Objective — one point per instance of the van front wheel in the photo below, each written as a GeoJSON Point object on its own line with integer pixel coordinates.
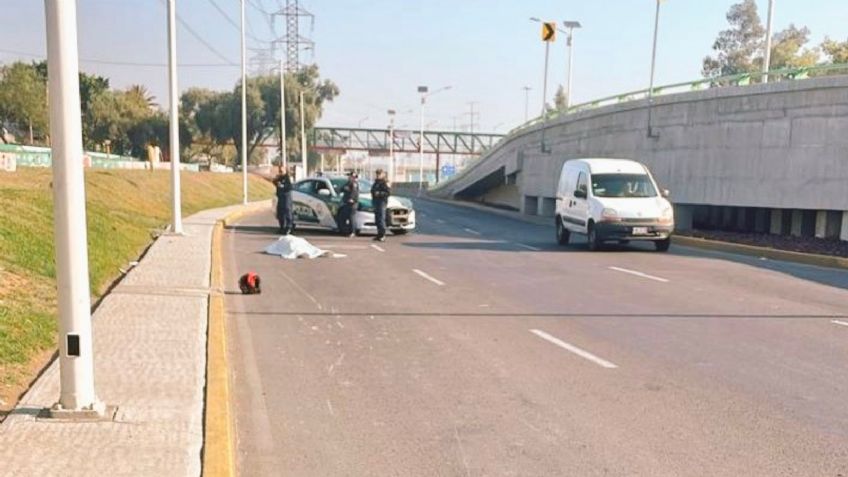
{"type": "Point", "coordinates": [594, 241]}
{"type": "Point", "coordinates": [562, 234]}
{"type": "Point", "coordinates": [662, 245]}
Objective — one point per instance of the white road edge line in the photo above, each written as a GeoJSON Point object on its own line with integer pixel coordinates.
{"type": "Point", "coordinates": [428, 277]}
{"type": "Point", "coordinates": [639, 274]}
{"type": "Point", "coordinates": [528, 247]}
{"type": "Point", "coordinates": [574, 349]}
{"type": "Point", "coordinates": [377, 247]}
{"type": "Point", "coordinates": [471, 231]}
{"type": "Point", "coordinates": [837, 322]}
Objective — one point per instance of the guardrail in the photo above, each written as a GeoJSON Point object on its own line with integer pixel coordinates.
{"type": "Point", "coordinates": [743, 79]}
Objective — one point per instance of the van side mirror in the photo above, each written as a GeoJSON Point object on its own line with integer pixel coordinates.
{"type": "Point", "coordinates": [324, 192]}
{"type": "Point", "coordinates": [580, 194]}
{"type": "Point", "coordinates": [665, 193]}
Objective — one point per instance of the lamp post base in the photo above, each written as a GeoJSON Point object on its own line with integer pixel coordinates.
{"type": "Point", "coordinates": [96, 413]}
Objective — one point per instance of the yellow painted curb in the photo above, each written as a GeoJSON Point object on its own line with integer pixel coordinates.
{"type": "Point", "coordinates": [772, 253]}
{"type": "Point", "coordinates": [219, 435]}
{"type": "Point", "coordinates": [218, 456]}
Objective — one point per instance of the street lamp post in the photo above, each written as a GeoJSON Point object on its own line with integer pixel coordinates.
{"type": "Point", "coordinates": [303, 151]}
{"type": "Point", "coordinates": [174, 121]}
{"type": "Point", "coordinates": [424, 91]}
{"type": "Point", "coordinates": [526, 102]}
{"type": "Point", "coordinates": [283, 152]}
{"type": "Point", "coordinates": [653, 64]}
{"type": "Point", "coordinates": [359, 124]}
{"type": "Point", "coordinates": [570, 26]}
{"type": "Point", "coordinates": [243, 108]}
{"type": "Point", "coordinates": [391, 113]}
{"type": "Point", "coordinates": [767, 59]}
{"type": "Point", "coordinates": [76, 361]}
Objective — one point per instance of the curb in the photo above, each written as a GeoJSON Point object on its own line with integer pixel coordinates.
{"type": "Point", "coordinates": [828, 261]}
{"type": "Point", "coordinates": [218, 449]}
{"type": "Point", "coordinates": [771, 253]}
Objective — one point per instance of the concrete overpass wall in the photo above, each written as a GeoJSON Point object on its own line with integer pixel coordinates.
{"type": "Point", "coordinates": [775, 146]}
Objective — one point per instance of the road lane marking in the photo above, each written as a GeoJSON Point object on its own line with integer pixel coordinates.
{"type": "Point", "coordinates": [837, 322]}
{"type": "Point", "coordinates": [428, 277]}
{"type": "Point", "coordinates": [528, 247]}
{"type": "Point", "coordinates": [639, 274]}
{"type": "Point", "coordinates": [574, 349]}
{"type": "Point", "coordinates": [377, 247]}
{"type": "Point", "coordinates": [440, 221]}
{"type": "Point", "coordinates": [471, 231]}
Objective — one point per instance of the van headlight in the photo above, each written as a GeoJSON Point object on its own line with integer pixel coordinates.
{"type": "Point", "coordinates": [610, 215]}
{"type": "Point", "coordinates": [667, 216]}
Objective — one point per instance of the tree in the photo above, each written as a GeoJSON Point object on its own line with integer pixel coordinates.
{"type": "Point", "coordinates": [23, 99]}
{"type": "Point", "coordinates": [835, 51]}
{"type": "Point", "coordinates": [218, 115]}
{"type": "Point", "coordinates": [114, 114]}
{"type": "Point", "coordinates": [560, 99]}
{"type": "Point", "coordinates": [140, 94]}
{"type": "Point", "coordinates": [737, 47]}
{"type": "Point", "coordinates": [788, 50]}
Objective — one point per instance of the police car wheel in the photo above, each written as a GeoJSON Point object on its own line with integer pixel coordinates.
{"type": "Point", "coordinates": [399, 231]}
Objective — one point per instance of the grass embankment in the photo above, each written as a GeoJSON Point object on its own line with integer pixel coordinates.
{"type": "Point", "coordinates": [123, 208]}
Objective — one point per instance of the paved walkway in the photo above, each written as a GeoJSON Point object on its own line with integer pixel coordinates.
{"type": "Point", "coordinates": [150, 362]}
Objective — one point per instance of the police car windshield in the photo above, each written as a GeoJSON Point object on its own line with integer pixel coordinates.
{"type": "Point", "coordinates": [622, 185]}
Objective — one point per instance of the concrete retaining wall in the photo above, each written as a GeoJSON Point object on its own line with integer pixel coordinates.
{"type": "Point", "coordinates": [777, 146]}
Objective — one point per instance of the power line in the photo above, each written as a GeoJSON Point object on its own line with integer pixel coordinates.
{"type": "Point", "coordinates": [197, 37]}
{"type": "Point", "coordinates": [234, 24]}
{"type": "Point", "coordinates": [123, 63]}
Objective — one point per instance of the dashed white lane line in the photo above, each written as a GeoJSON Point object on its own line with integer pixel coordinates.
{"type": "Point", "coordinates": [440, 221]}
{"type": "Point", "coordinates": [639, 274]}
{"type": "Point", "coordinates": [837, 322]}
{"type": "Point", "coordinates": [377, 247]}
{"type": "Point", "coordinates": [428, 277]}
{"type": "Point", "coordinates": [471, 231]}
{"type": "Point", "coordinates": [528, 247]}
{"type": "Point", "coordinates": [574, 349]}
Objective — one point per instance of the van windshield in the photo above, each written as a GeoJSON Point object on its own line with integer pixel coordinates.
{"type": "Point", "coordinates": [622, 185]}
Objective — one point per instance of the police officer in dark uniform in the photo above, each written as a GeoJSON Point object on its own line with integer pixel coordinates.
{"type": "Point", "coordinates": [285, 212]}
{"type": "Point", "coordinates": [380, 192]}
{"type": "Point", "coordinates": [350, 202]}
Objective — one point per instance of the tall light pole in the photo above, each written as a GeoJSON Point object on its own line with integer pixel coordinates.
{"type": "Point", "coordinates": [243, 108]}
{"type": "Point", "coordinates": [767, 59]}
{"type": "Point", "coordinates": [391, 113]}
{"type": "Point", "coordinates": [76, 363]}
{"type": "Point", "coordinates": [423, 90]}
{"type": "Point", "coordinates": [303, 151]}
{"type": "Point", "coordinates": [569, 26]}
{"type": "Point", "coordinates": [653, 65]}
{"type": "Point", "coordinates": [526, 102]}
{"type": "Point", "coordinates": [359, 123]}
{"type": "Point", "coordinates": [547, 42]}
{"type": "Point", "coordinates": [174, 126]}
{"type": "Point", "coordinates": [284, 161]}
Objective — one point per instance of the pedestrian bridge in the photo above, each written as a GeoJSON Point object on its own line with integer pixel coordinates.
{"type": "Point", "coordinates": [763, 157]}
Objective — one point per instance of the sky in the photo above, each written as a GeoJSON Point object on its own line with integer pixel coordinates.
{"type": "Point", "coordinates": [379, 51]}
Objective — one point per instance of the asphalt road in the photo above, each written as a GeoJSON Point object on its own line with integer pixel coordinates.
{"type": "Point", "coordinates": [478, 347]}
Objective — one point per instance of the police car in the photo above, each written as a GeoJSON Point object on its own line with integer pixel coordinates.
{"type": "Point", "coordinates": [316, 202]}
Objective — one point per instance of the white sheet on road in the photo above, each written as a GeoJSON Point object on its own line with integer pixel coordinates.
{"type": "Point", "coordinates": [292, 247]}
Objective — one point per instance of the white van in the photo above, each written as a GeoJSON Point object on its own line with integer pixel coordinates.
{"type": "Point", "coordinates": [612, 200]}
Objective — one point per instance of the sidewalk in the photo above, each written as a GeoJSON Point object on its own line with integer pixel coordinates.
{"type": "Point", "coordinates": [150, 362]}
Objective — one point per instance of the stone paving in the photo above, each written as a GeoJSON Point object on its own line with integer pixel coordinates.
{"type": "Point", "coordinates": [150, 362]}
